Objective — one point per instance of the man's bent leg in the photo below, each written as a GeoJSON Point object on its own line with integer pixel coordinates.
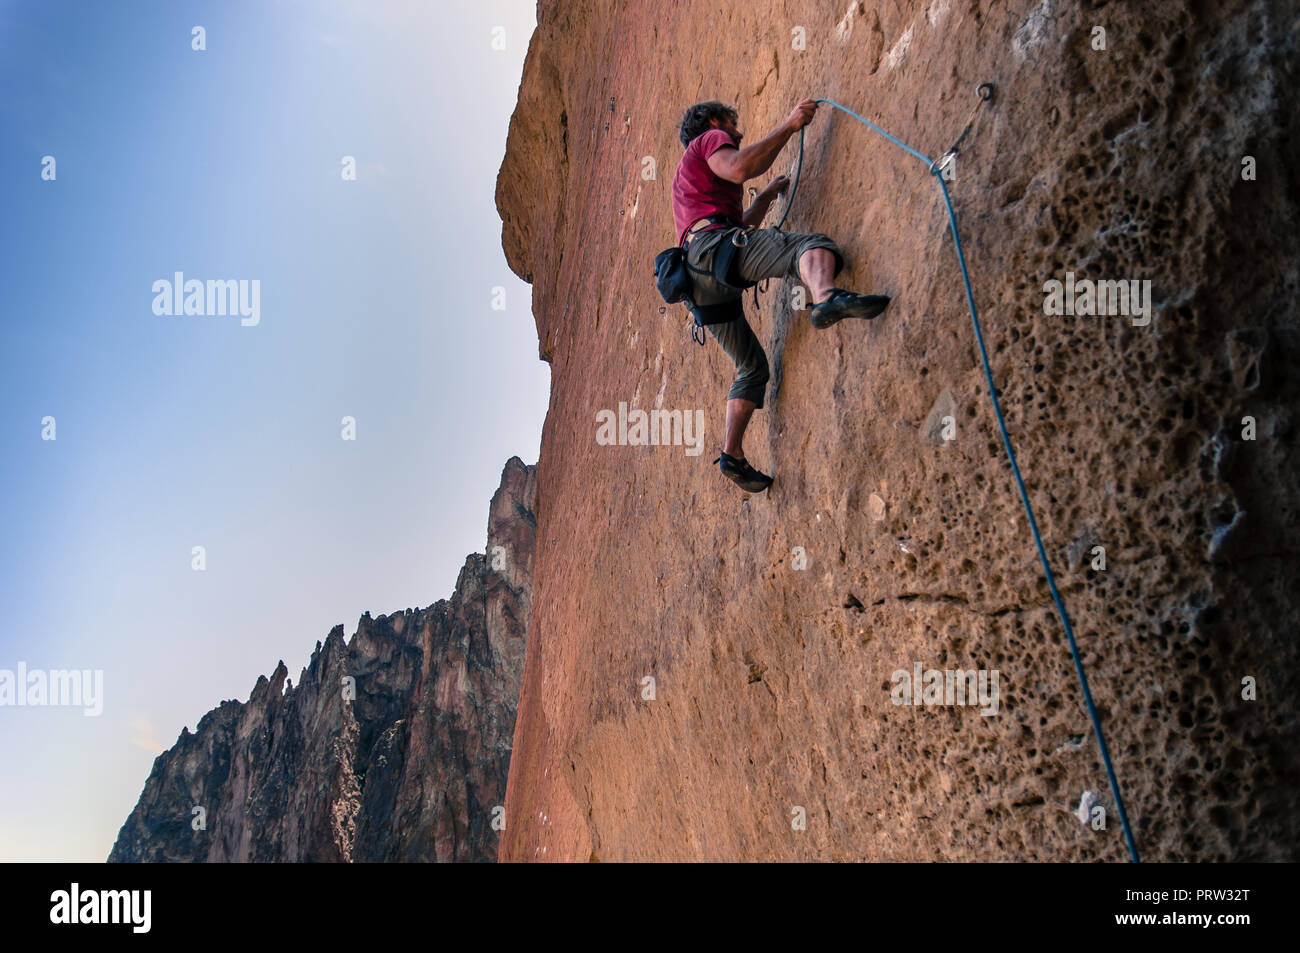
{"type": "Point", "coordinates": [816, 260]}
{"type": "Point", "coordinates": [772, 253]}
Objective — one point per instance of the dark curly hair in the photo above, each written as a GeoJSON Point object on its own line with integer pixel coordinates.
{"type": "Point", "coordinates": [696, 121]}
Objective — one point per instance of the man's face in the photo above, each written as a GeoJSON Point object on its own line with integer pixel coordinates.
{"type": "Point", "coordinates": [728, 126]}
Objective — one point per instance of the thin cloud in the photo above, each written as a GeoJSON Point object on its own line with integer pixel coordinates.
{"type": "Point", "coordinates": [143, 736]}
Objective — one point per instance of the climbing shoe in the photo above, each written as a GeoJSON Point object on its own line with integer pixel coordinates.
{"type": "Point", "coordinates": [743, 475]}
{"type": "Point", "coordinates": [846, 304]}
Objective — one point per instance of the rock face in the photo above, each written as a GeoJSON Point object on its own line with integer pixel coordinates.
{"type": "Point", "coordinates": [773, 627]}
{"type": "Point", "coordinates": [409, 769]}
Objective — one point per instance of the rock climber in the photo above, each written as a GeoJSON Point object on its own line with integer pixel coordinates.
{"type": "Point", "coordinates": [707, 190]}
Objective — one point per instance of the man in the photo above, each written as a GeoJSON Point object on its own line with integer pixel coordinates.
{"type": "Point", "coordinates": [707, 191]}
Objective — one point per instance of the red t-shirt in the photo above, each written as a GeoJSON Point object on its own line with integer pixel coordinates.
{"type": "Point", "coordinates": [697, 191]}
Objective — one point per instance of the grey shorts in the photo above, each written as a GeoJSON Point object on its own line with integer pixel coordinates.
{"type": "Point", "coordinates": [769, 254]}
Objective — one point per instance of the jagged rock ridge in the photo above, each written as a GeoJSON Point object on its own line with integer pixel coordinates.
{"type": "Point", "coordinates": [410, 769]}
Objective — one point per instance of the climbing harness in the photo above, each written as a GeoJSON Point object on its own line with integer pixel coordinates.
{"type": "Point", "coordinates": [935, 166]}
{"type": "Point", "coordinates": [672, 277]}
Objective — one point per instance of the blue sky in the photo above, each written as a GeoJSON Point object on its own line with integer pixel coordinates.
{"type": "Point", "coordinates": [195, 430]}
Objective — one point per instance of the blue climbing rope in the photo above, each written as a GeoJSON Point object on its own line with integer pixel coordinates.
{"type": "Point", "coordinates": [794, 188]}
{"type": "Point", "coordinates": [936, 170]}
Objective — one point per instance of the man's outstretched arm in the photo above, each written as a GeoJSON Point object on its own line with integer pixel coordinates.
{"type": "Point", "coordinates": [737, 165]}
{"type": "Point", "coordinates": [753, 216]}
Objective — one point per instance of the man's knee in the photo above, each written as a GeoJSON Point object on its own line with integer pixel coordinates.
{"type": "Point", "coordinates": [820, 242]}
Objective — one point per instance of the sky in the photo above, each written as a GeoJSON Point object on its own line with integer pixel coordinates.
{"type": "Point", "coordinates": [374, 299]}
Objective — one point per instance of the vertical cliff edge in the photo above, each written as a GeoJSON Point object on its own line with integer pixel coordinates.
{"type": "Point", "coordinates": [712, 676]}
{"type": "Point", "coordinates": [393, 746]}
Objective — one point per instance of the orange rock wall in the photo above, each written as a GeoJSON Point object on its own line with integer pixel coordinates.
{"type": "Point", "coordinates": [772, 684]}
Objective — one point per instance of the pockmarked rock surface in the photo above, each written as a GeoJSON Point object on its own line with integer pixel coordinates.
{"type": "Point", "coordinates": [392, 746]}
{"type": "Point", "coordinates": [714, 676]}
